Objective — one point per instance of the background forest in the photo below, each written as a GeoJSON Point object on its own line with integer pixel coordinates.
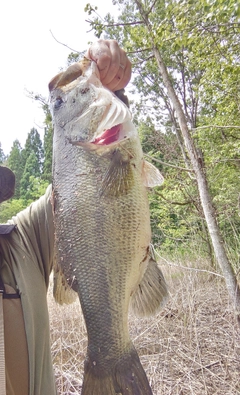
{"type": "Point", "coordinates": [200, 46]}
{"type": "Point", "coordinates": [185, 100]}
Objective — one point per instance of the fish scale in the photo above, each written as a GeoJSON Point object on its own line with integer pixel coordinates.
{"type": "Point", "coordinates": [102, 227]}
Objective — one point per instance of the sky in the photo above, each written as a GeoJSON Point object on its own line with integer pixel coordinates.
{"type": "Point", "coordinates": [30, 56]}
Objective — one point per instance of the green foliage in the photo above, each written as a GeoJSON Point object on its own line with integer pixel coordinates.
{"type": "Point", "coordinates": [74, 57]}
{"type": "Point", "coordinates": [10, 208]}
{"type": "Point", "coordinates": [199, 44]}
{"type": "Point", "coordinates": [97, 25]}
{"type": "Point", "coordinates": [32, 167]}
{"type": "Point", "coordinates": [33, 145]}
{"type": "Point", "coordinates": [47, 146]}
{"type": "Point", "coordinates": [14, 162]}
{"type": "Point", "coordinates": [31, 157]}
{"type": "Point", "coordinates": [37, 187]}
{"type": "Point", "coordinates": [31, 171]}
{"type": "Point", "coordinates": [2, 155]}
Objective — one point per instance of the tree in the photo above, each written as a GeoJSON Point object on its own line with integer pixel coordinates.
{"type": "Point", "coordinates": [10, 208]}
{"type": "Point", "coordinates": [33, 145]}
{"type": "Point", "coordinates": [14, 162]}
{"type": "Point", "coordinates": [31, 172]}
{"type": "Point", "coordinates": [2, 155]}
{"type": "Point", "coordinates": [32, 158]}
{"type": "Point", "coordinates": [47, 145]}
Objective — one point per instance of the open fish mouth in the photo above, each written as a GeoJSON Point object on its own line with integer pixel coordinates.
{"type": "Point", "coordinates": [95, 117]}
{"type": "Point", "coordinates": [114, 126]}
{"type": "Point", "coordinates": [110, 136]}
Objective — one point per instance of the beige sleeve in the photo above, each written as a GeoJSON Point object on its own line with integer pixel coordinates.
{"type": "Point", "coordinates": [15, 342]}
{"type": "Point", "coordinates": [35, 225]}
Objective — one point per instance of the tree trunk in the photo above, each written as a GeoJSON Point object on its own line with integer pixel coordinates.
{"type": "Point", "coordinates": [205, 197]}
{"type": "Point", "coordinates": [206, 201]}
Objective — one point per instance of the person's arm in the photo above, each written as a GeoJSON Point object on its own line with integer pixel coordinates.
{"type": "Point", "coordinates": [35, 225]}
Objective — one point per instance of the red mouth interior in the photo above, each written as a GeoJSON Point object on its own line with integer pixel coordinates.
{"type": "Point", "coordinates": [109, 136]}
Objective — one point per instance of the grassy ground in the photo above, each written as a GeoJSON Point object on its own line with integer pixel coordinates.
{"type": "Point", "coordinates": [191, 347]}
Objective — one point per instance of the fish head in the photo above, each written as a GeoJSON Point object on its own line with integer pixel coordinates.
{"type": "Point", "coordinates": [87, 113]}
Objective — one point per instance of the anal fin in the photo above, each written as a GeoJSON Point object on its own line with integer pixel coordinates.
{"type": "Point", "coordinates": [151, 293]}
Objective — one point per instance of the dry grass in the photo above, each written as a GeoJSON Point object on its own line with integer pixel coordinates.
{"type": "Point", "coordinates": [191, 347]}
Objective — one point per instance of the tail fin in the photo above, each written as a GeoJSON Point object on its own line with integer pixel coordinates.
{"type": "Point", "coordinates": [126, 377]}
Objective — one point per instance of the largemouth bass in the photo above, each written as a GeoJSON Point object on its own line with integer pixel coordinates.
{"type": "Point", "coordinates": [102, 226]}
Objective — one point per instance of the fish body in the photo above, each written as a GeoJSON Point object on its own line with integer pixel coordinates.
{"type": "Point", "coordinates": [102, 225]}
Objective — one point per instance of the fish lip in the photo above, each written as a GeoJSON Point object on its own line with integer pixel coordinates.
{"type": "Point", "coordinates": [101, 148]}
{"type": "Point", "coordinates": [107, 140]}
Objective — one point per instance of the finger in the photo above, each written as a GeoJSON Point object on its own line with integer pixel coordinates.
{"type": "Point", "coordinates": [108, 56]}
{"type": "Point", "coordinates": [100, 53]}
{"type": "Point", "coordinates": [127, 74]}
{"type": "Point", "coordinates": [122, 82]}
{"type": "Point", "coordinates": [122, 78]}
{"type": "Point", "coordinates": [114, 70]}
{"type": "Point", "coordinates": [119, 72]}
{"type": "Point", "coordinates": [113, 63]}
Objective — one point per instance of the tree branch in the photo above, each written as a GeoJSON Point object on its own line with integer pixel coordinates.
{"type": "Point", "coordinates": [216, 126]}
{"type": "Point", "coordinates": [141, 50]}
{"type": "Point", "coordinates": [119, 24]}
{"type": "Point", "coordinates": [172, 202]}
{"type": "Point", "coordinates": [168, 164]}
{"type": "Point", "coordinates": [151, 8]}
{"type": "Point", "coordinates": [65, 45]}
{"type": "Point", "coordinates": [189, 268]}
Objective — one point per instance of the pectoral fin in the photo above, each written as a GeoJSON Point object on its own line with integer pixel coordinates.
{"type": "Point", "coordinates": [151, 294]}
{"type": "Point", "coordinates": [62, 292]}
{"type": "Point", "coordinates": [118, 178]}
{"type": "Point", "coordinates": [151, 175]}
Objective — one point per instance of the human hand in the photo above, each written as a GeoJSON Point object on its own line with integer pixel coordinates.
{"type": "Point", "coordinates": [113, 64]}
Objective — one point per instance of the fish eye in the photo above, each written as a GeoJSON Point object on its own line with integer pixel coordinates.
{"type": "Point", "coordinates": [58, 103]}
